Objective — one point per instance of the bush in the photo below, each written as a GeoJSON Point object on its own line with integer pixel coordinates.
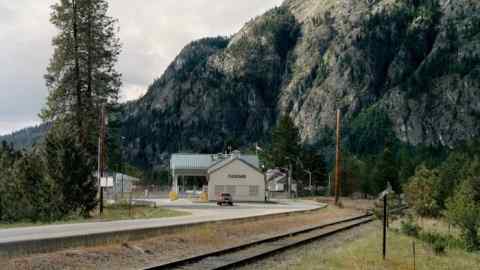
{"type": "Point", "coordinates": [464, 212]}
{"type": "Point", "coordinates": [438, 241]}
{"type": "Point", "coordinates": [421, 192]}
{"type": "Point", "coordinates": [410, 228]}
{"type": "Point", "coordinates": [439, 247]}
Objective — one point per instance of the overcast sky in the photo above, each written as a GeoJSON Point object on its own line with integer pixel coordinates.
{"type": "Point", "coordinates": [152, 33]}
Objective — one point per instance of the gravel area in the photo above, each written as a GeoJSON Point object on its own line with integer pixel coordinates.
{"type": "Point", "coordinates": [183, 243]}
{"type": "Point", "coordinates": [289, 259]}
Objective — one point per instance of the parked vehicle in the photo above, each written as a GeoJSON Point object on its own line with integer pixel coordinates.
{"type": "Point", "coordinates": [225, 199]}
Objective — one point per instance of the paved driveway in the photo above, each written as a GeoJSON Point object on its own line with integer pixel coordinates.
{"type": "Point", "coordinates": [200, 212]}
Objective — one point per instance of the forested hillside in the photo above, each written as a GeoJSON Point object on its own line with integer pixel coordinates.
{"type": "Point", "coordinates": [402, 69]}
{"type": "Point", "coordinates": [26, 138]}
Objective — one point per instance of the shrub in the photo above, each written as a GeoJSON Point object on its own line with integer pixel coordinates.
{"type": "Point", "coordinates": [439, 247]}
{"type": "Point", "coordinates": [421, 192]}
{"type": "Point", "coordinates": [464, 212]}
{"type": "Point", "coordinates": [410, 228]}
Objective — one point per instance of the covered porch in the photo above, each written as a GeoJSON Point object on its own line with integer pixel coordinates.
{"type": "Point", "coordinates": [190, 172]}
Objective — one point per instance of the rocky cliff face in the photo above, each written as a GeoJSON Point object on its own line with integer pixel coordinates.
{"type": "Point", "coordinates": [417, 61]}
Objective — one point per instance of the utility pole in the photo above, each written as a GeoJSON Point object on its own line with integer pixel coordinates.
{"type": "Point", "coordinates": [385, 218]}
{"type": "Point", "coordinates": [290, 180]}
{"type": "Point", "coordinates": [337, 163]}
{"type": "Point", "coordinates": [101, 155]}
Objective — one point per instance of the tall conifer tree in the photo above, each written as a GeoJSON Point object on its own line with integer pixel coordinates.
{"type": "Point", "coordinates": [81, 78]}
{"type": "Point", "coordinates": [81, 75]}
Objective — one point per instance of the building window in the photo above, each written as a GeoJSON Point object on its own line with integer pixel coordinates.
{"type": "Point", "coordinates": [253, 191]}
{"type": "Point", "coordinates": [231, 190]}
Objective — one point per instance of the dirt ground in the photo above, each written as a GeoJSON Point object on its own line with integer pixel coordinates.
{"type": "Point", "coordinates": [183, 243]}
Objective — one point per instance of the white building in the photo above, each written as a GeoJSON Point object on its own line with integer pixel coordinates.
{"type": "Point", "coordinates": [237, 174]}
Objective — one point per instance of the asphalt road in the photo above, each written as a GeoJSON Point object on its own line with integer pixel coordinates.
{"type": "Point", "coordinates": [199, 213]}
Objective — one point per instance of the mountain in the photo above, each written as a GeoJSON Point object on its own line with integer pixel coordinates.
{"type": "Point", "coordinates": [27, 137]}
{"type": "Point", "coordinates": [410, 67]}
{"type": "Point", "coordinates": [403, 68]}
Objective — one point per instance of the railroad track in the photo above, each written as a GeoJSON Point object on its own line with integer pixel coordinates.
{"type": "Point", "coordinates": [256, 250]}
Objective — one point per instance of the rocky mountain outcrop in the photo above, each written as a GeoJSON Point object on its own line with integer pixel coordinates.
{"type": "Point", "coordinates": [417, 61]}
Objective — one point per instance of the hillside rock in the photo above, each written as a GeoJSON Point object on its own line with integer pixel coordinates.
{"type": "Point", "coordinates": [417, 61]}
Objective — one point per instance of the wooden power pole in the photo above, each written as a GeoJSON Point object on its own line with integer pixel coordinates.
{"type": "Point", "coordinates": [101, 155]}
{"type": "Point", "coordinates": [337, 163]}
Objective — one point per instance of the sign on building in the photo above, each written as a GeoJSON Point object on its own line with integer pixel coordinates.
{"type": "Point", "coordinates": [106, 181]}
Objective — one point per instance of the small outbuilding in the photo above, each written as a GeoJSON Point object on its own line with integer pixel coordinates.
{"type": "Point", "coordinates": [237, 174]}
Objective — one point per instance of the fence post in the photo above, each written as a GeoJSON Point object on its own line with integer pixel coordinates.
{"type": "Point", "coordinates": [413, 249]}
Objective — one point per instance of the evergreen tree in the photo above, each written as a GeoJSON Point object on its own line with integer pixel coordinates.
{"type": "Point", "coordinates": [69, 166]}
{"type": "Point", "coordinates": [81, 78]}
{"type": "Point", "coordinates": [354, 176]}
{"type": "Point", "coordinates": [286, 146]}
{"type": "Point", "coordinates": [386, 171]}
{"type": "Point", "coordinates": [39, 193]}
{"type": "Point", "coordinates": [314, 162]}
{"type": "Point", "coordinates": [81, 75]}
{"type": "Point", "coordinates": [114, 141]}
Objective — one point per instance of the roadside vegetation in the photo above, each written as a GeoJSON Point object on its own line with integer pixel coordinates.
{"type": "Point", "coordinates": [366, 253]}
{"type": "Point", "coordinates": [55, 180]}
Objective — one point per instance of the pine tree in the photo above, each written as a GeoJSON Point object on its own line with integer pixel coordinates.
{"type": "Point", "coordinates": [81, 78]}
{"type": "Point", "coordinates": [286, 146]}
{"type": "Point", "coordinates": [314, 162]}
{"type": "Point", "coordinates": [115, 141]}
{"type": "Point", "coordinates": [70, 168]}
{"type": "Point", "coordinates": [386, 171]}
{"type": "Point", "coordinates": [38, 193]}
{"type": "Point", "coordinates": [81, 75]}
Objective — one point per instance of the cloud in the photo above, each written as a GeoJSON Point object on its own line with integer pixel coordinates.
{"type": "Point", "coordinates": [132, 91]}
{"type": "Point", "coordinates": [152, 33]}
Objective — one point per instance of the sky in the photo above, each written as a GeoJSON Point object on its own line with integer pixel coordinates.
{"type": "Point", "coordinates": [152, 33]}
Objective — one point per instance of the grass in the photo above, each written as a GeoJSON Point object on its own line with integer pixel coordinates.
{"type": "Point", "coordinates": [122, 212]}
{"type": "Point", "coordinates": [365, 254]}
{"type": "Point", "coordinates": [110, 213]}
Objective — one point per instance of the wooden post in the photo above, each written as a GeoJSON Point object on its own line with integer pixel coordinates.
{"type": "Point", "coordinates": [414, 263]}
{"type": "Point", "coordinates": [385, 226]}
{"type": "Point", "coordinates": [337, 163]}
{"type": "Point", "coordinates": [101, 155]}
{"type": "Point", "coordinates": [101, 200]}
{"type": "Point", "coordinates": [290, 168]}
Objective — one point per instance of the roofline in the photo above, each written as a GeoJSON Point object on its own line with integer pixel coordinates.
{"type": "Point", "coordinates": [232, 160]}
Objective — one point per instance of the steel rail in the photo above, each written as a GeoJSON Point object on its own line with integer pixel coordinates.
{"type": "Point", "coordinates": [196, 259]}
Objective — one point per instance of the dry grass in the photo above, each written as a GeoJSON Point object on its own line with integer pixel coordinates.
{"type": "Point", "coordinates": [365, 254]}
{"type": "Point", "coordinates": [111, 213]}
{"type": "Point", "coordinates": [358, 204]}
{"type": "Point", "coordinates": [180, 244]}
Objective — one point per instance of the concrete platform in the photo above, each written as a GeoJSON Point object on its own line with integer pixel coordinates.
{"type": "Point", "coordinates": [48, 238]}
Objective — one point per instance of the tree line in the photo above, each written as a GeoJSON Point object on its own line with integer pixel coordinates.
{"type": "Point", "coordinates": [57, 177]}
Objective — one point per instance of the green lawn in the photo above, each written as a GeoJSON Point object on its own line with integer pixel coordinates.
{"type": "Point", "coordinates": [365, 254]}
{"type": "Point", "coordinates": [111, 213]}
